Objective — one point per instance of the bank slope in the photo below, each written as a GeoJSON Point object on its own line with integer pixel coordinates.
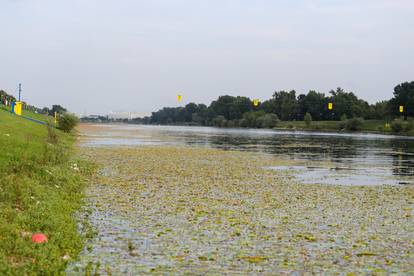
{"type": "Point", "coordinates": [40, 190]}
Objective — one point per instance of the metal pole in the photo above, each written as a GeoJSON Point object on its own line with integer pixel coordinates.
{"type": "Point", "coordinates": [20, 90]}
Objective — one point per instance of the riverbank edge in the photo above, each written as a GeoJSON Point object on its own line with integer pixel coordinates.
{"type": "Point", "coordinates": [42, 181]}
{"type": "Point", "coordinates": [290, 126]}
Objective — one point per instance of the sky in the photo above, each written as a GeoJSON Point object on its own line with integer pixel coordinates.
{"type": "Point", "coordinates": [94, 56]}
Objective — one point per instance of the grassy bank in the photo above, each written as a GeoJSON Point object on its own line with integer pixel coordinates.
{"type": "Point", "coordinates": [40, 189]}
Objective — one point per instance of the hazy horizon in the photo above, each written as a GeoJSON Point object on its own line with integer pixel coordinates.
{"type": "Point", "coordinates": [96, 56]}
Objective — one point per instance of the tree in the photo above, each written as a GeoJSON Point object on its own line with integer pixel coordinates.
{"type": "Point", "coordinates": [188, 111]}
{"type": "Point", "coordinates": [222, 106]}
{"type": "Point", "coordinates": [284, 104]}
{"type": "Point", "coordinates": [346, 103]}
{"type": "Point", "coordinates": [381, 110]}
{"type": "Point", "coordinates": [58, 109]}
{"type": "Point", "coordinates": [314, 104]}
{"type": "Point", "coordinates": [403, 95]}
{"type": "Point", "coordinates": [231, 107]}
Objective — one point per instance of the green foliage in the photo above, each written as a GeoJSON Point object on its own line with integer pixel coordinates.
{"type": "Point", "coordinates": [399, 125]}
{"type": "Point", "coordinates": [308, 119]}
{"type": "Point", "coordinates": [58, 109]}
{"type": "Point", "coordinates": [40, 192]}
{"type": "Point", "coordinates": [219, 121]}
{"type": "Point", "coordinates": [284, 104]}
{"type": "Point", "coordinates": [403, 95]}
{"type": "Point", "coordinates": [250, 119]}
{"type": "Point", "coordinates": [354, 124]}
{"type": "Point", "coordinates": [239, 111]}
{"type": "Point", "coordinates": [313, 103]}
{"type": "Point", "coordinates": [231, 107]}
{"type": "Point", "coordinates": [267, 121]}
{"type": "Point", "coordinates": [67, 122]}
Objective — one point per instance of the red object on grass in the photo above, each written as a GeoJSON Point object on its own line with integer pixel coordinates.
{"type": "Point", "coordinates": [39, 238]}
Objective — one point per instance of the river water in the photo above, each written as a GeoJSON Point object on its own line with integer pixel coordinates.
{"type": "Point", "coordinates": [320, 158]}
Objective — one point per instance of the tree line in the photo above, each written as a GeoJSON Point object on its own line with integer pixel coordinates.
{"type": "Point", "coordinates": [238, 111]}
{"type": "Point", "coordinates": [7, 99]}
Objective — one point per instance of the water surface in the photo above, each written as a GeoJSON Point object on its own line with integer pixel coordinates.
{"type": "Point", "coordinates": [341, 158]}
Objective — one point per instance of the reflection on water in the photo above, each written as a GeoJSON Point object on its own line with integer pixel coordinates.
{"type": "Point", "coordinates": [375, 158]}
{"type": "Point", "coordinates": [342, 176]}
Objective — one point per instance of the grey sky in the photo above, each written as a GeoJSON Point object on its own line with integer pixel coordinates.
{"type": "Point", "coordinates": [102, 55]}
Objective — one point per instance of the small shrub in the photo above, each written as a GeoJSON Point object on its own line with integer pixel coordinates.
{"type": "Point", "coordinates": [344, 117]}
{"type": "Point", "coordinates": [397, 125]}
{"type": "Point", "coordinates": [220, 121]}
{"type": "Point", "coordinates": [231, 123]}
{"type": "Point", "coordinates": [354, 124]}
{"type": "Point", "coordinates": [267, 121]}
{"type": "Point", "coordinates": [67, 122]}
{"type": "Point", "coordinates": [308, 119]}
{"type": "Point", "coordinates": [51, 134]}
{"type": "Point", "coordinates": [408, 125]}
{"type": "Point", "coordinates": [243, 123]}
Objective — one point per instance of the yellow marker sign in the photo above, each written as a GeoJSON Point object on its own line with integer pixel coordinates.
{"type": "Point", "coordinates": [18, 108]}
{"type": "Point", "coordinates": [401, 109]}
{"type": "Point", "coordinates": [256, 102]}
{"type": "Point", "coordinates": [179, 97]}
{"type": "Point", "coordinates": [330, 106]}
{"type": "Point", "coordinates": [55, 118]}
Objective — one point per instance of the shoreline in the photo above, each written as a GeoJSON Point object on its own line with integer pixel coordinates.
{"type": "Point", "coordinates": [282, 129]}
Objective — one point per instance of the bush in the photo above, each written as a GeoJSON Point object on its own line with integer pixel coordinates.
{"type": "Point", "coordinates": [231, 123]}
{"type": "Point", "coordinates": [397, 125]}
{"type": "Point", "coordinates": [220, 121]}
{"type": "Point", "coordinates": [308, 119]}
{"type": "Point", "coordinates": [354, 124]}
{"type": "Point", "coordinates": [409, 125]}
{"type": "Point", "coordinates": [51, 134]}
{"type": "Point", "coordinates": [250, 119]}
{"type": "Point", "coordinates": [67, 122]}
{"type": "Point", "coordinates": [267, 121]}
{"type": "Point", "coordinates": [243, 123]}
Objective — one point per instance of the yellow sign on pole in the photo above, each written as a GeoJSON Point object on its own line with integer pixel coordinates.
{"type": "Point", "coordinates": [18, 108]}
{"type": "Point", "coordinates": [330, 106]}
{"type": "Point", "coordinates": [179, 98]}
{"type": "Point", "coordinates": [401, 108]}
{"type": "Point", "coordinates": [56, 118]}
{"type": "Point", "coordinates": [256, 102]}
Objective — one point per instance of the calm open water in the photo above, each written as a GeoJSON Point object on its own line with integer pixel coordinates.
{"type": "Point", "coordinates": [347, 159]}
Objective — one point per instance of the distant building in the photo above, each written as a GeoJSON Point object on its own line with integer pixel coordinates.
{"type": "Point", "coordinates": [116, 115]}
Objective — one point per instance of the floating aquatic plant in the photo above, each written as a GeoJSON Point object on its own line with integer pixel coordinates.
{"type": "Point", "coordinates": [192, 210]}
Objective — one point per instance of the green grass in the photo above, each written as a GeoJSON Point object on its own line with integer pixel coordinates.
{"type": "Point", "coordinates": [30, 114]}
{"type": "Point", "coordinates": [39, 192]}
